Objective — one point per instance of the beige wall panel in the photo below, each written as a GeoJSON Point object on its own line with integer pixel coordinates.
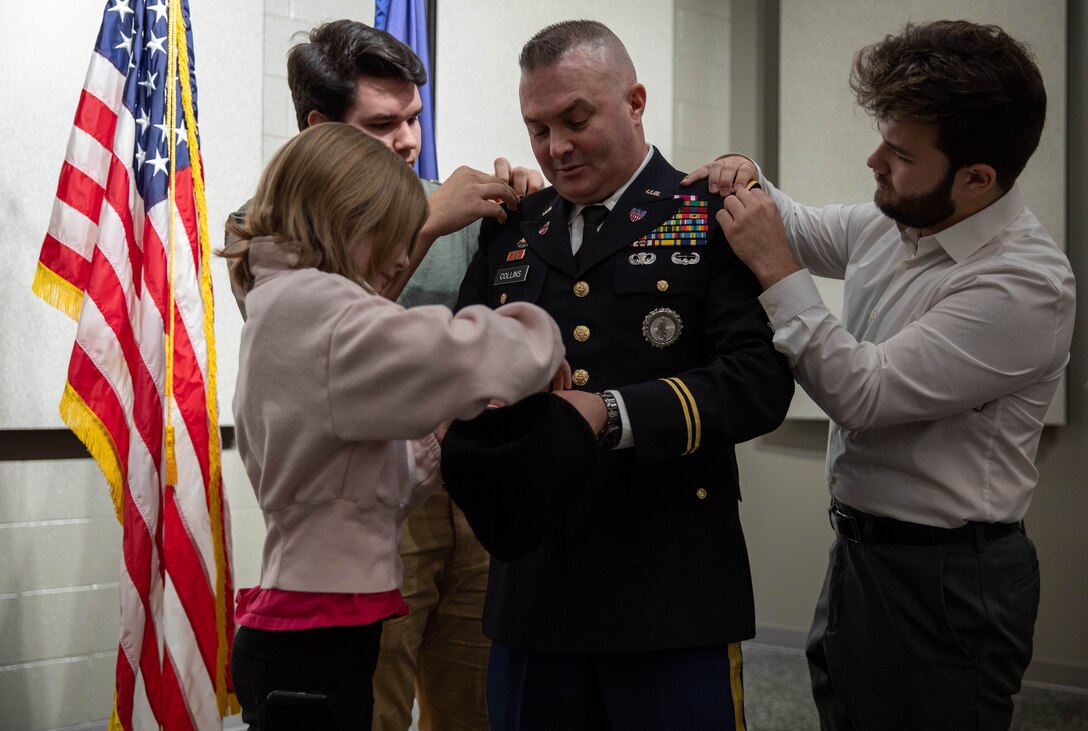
{"type": "Point", "coordinates": [51, 695]}
{"type": "Point", "coordinates": [55, 555]}
{"type": "Point", "coordinates": [53, 624]}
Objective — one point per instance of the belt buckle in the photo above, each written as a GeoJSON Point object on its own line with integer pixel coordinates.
{"type": "Point", "coordinates": [844, 525]}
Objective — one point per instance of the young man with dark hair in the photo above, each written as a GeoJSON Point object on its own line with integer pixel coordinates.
{"type": "Point", "coordinates": [956, 326]}
{"type": "Point", "coordinates": [630, 615]}
{"type": "Point", "coordinates": [349, 72]}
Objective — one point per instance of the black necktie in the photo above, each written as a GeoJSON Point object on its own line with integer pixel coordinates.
{"type": "Point", "coordinates": [592, 218]}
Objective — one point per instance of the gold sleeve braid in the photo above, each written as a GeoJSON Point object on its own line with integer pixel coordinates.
{"type": "Point", "coordinates": [690, 411]}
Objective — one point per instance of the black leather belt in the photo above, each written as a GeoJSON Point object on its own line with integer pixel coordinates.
{"type": "Point", "coordinates": [854, 525]}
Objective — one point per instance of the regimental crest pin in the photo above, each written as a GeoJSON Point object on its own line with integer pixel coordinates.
{"type": "Point", "coordinates": [662, 327]}
{"type": "Point", "coordinates": [521, 244]}
{"type": "Point", "coordinates": [685, 258]}
{"type": "Point", "coordinates": [642, 258]}
{"type": "Point", "coordinates": [637, 214]}
{"type": "Point", "coordinates": [544, 229]}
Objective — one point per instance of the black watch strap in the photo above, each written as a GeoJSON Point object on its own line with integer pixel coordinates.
{"type": "Point", "coordinates": [609, 435]}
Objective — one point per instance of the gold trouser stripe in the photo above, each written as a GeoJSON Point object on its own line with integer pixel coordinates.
{"type": "Point", "coordinates": [736, 684]}
{"type": "Point", "coordinates": [684, 409]}
{"type": "Point", "coordinates": [691, 413]}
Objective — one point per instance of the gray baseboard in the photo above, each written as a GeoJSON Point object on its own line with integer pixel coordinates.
{"type": "Point", "coordinates": [1041, 673]}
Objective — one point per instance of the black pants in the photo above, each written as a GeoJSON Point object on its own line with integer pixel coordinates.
{"type": "Point", "coordinates": [909, 637]}
{"type": "Point", "coordinates": [319, 678]}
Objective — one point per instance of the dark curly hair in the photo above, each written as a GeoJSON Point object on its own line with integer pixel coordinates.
{"type": "Point", "coordinates": [324, 71]}
{"type": "Point", "coordinates": [977, 85]}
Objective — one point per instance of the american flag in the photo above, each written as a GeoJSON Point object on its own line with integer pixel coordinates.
{"type": "Point", "coordinates": [126, 254]}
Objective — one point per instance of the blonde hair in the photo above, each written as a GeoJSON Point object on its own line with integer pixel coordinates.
{"type": "Point", "coordinates": [325, 189]}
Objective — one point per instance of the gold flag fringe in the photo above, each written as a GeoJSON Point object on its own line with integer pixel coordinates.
{"type": "Point", "coordinates": [86, 425]}
{"type": "Point", "coordinates": [228, 702]}
{"type": "Point", "coordinates": [57, 291]}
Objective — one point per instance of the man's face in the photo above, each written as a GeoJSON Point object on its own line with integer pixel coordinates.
{"type": "Point", "coordinates": [388, 110]}
{"type": "Point", "coordinates": [914, 179]}
{"type": "Point", "coordinates": [585, 131]}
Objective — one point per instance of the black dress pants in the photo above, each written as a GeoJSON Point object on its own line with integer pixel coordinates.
{"type": "Point", "coordinates": [912, 637]}
{"type": "Point", "coordinates": [306, 679]}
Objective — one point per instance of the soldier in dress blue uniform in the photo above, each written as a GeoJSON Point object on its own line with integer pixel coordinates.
{"type": "Point", "coordinates": [630, 615]}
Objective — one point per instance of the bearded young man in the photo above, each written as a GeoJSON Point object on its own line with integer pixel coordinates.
{"type": "Point", "coordinates": [956, 326]}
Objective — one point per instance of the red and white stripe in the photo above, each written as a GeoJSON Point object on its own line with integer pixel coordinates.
{"type": "Point", "coordinates": [102, 243]}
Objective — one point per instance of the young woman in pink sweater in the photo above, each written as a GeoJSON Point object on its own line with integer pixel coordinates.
{"type": "Point", "coordinates": [339, 392]}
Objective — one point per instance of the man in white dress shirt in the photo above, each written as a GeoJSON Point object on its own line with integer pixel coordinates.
{"type": "Point", "coordinates": [956, 325]}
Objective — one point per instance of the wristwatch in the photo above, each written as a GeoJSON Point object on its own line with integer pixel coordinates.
{"type": "Point", "coordinates": [609, 435]}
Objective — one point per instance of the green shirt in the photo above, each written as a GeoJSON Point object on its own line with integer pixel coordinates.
{"type": "Point", "coordinates": [439, 275]}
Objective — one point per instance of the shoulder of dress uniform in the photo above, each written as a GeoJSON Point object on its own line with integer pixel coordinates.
{"type": "Point", "coordinates": [538, 204]}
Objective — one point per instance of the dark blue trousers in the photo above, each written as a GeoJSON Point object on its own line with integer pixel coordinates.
{"type": "Point", "coordinates": [694, 689]}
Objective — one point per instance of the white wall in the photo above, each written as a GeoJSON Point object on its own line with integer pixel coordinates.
{"type": "Point", "coordinates": [701, 77]}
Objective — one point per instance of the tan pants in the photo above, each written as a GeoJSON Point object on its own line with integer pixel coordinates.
{"type": "Point", "coordinates": [437, 653]}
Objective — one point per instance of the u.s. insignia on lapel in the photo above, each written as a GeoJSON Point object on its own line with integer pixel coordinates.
{"type": "Point", "coordinates": [637, 214]}
{"type": "Point", "coordinates": [546, 211]}
{"type": "Point", "coordinates": [662, 327]}
{"type": "Point", "coordinates": [544, 229]}
{"type": "Point", "coordinates": [655, 193]}
{"type": "Point", "coordinates": [642, 258]}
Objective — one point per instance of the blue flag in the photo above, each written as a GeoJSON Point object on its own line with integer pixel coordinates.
{"type": "Point", "coordinates": [406, 20]}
